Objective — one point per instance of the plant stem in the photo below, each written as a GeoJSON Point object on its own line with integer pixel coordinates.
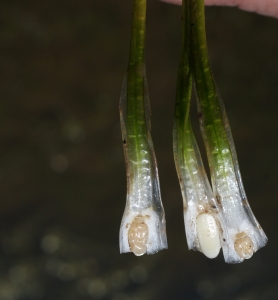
{"type": "Point", "coordinates": [143, 228]}
{"type": "Point", "coordinates": [183, 148]}
{"type": "Point", "coordinates": [213, 123]}
{"type": "Point", "coordinates": [136, 119]}
{"type": "Point", "coordinates": [243, 234]}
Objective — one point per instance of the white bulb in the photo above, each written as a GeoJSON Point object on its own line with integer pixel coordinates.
{"type": "Point", "coordinates": [208, 235]}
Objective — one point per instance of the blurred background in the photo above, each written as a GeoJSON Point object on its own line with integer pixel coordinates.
{"type": "Point", "coordinates": [62, 170]}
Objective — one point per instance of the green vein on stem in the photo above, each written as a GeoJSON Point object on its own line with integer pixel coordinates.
{"type": "Point", "coordinates": [244, 235]}
{"type": "Point", "coordinates": [136, 119]}
{"type": "Point", "coordinates": [183, 128]}
{"type": "Point", "coordinates": [200, 208]}
{"type": "Point", "coordinates": [213, 123]}
{"type": "Point", "coordinates": [143, 228]}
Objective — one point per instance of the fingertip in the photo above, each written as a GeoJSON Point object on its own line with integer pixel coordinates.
{"type": "Point", "coordinates": [267, 7]}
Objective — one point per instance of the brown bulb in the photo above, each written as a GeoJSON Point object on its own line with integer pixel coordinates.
{"type": "Point", "coordinates": [243, 245]}
{"type": "Point", "coordinates": [138, 236]}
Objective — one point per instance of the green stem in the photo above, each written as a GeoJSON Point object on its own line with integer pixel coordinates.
{"type": "Point", "coordinates": [143, 201]}
{"type": "Point", "coordinates": [184, 84]}
{"type": "Point", "coordinates": [135, 113]}
{"type": "Point", "coordinates": [184, 90]}
{"type": "Point", "coordinates": [241, 230]}
{"type": "Point", "coordinates": [211, 115]}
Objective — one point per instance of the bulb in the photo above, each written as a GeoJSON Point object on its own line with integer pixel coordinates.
{"type": "Point", "coordinates": [138, 236]}
{"type": "Point", "coordinates": [208, 235]}
{"type": "Point", "coordinates": [243, 245]}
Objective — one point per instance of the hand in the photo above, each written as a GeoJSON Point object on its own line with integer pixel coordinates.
{"type": "Point", "coordinates": [263, 7]}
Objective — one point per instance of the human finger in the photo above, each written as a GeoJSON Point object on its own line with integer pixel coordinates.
{"type": "Point", "coordinates": [263, 7]}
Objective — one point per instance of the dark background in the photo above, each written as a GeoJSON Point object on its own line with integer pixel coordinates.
{"type": "Point", "coordinates": [62, 170]}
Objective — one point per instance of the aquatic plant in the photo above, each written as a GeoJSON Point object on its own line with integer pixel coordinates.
{"type": "Point", "coordinates": [222, 217]}
{"type": "Point", "coordinates": [143, 227]}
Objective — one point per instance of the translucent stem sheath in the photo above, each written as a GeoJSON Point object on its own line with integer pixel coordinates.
{"type": "Point", "coordinates": [143, 225]}
{"type": "Point", "coordinates": [244, 235]}
{"type": "Point", "coordinates": [196, 191]}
